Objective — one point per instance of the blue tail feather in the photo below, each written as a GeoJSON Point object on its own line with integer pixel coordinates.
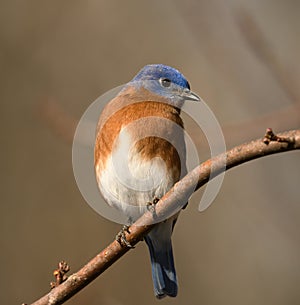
{"type": "Point", "coordinates": [163, 269]}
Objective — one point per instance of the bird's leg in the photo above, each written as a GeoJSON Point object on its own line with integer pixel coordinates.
{"type": "Point", "coordinates": [151, 205]}
{"type": "Point", "coordinates": [121, 237]}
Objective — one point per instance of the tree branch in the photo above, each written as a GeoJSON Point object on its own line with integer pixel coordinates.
{"type": "Point", "coordinates": [270, 144]}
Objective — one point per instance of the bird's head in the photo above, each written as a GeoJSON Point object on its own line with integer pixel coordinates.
{"type": "Point", "coordinates": [165, 81]}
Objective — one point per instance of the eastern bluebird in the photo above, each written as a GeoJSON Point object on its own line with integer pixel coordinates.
{"type": "Point", "coordinates": [140, 154]}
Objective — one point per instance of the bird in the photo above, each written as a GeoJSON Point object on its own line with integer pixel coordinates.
{"type": "Point", "coordinates": [140, 154]}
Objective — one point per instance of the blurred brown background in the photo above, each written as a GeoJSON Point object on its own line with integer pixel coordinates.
{"type": "Point", "coordinates": [57, 57]}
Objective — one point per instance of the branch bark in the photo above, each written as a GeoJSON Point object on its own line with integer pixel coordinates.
{"type": "Point", "coordinates": [270, 144]}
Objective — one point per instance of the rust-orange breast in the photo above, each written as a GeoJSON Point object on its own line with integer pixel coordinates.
{"type": "Point", "coordinates": [131, 106]}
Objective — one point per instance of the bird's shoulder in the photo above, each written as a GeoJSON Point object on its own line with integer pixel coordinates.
{"type": "Point", "coordinates": [129, 106]}
{"type": "Point", "coordinates": [132, 104]}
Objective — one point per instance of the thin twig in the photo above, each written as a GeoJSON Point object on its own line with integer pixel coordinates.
{"type": "Point", "coordinates": [289, 140]}
{"type": "Point", "coordinates": [60, 274]}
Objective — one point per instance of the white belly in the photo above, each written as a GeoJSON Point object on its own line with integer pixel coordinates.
{"type": "Point", "coordinates": [128, 182]}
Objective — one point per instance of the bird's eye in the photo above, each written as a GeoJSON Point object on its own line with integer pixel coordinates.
{"type": "Point", "coordinates": [165, 82]}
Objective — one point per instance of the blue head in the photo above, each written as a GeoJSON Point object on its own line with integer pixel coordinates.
{"type": "Point", "coordinates": [165, 81]}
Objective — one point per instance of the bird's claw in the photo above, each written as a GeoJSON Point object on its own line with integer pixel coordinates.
{"type": "Point", "coordinates": [121, 237]}
{"type": "Point", "coordinates": [151, 205]}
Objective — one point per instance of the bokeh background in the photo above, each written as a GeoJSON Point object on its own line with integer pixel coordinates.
{"type": "Point", "coordinates": [57, 57]}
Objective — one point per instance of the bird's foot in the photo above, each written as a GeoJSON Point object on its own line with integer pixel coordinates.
{"type": "Point", "coordinates": [121, 237]}
{"type": "Point", "coordinates": [151, 205]}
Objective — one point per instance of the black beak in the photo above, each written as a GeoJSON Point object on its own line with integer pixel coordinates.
{"type": "Point", "coordinates": [190, 95]}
